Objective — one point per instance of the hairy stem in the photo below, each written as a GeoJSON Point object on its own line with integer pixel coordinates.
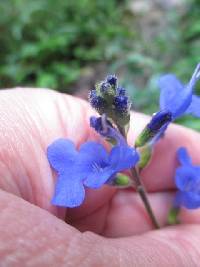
{"type": "Point", "coordinates": [142, 192]}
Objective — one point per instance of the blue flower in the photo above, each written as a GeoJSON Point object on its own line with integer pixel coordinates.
{"type": "Point", "coordinates": [178, 98]}
{"type": "Point", "coordinates": [187, 180]}
{"type": "Point", "coordinates": [91, 166]}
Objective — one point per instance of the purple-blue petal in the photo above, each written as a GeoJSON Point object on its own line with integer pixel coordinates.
{"type": "Point", "coordinates": [188, 200]}
{"type": "Point", "coordinates": [183, 156]}
{"type": "Point", "coordinates": [187, 177]}
{"type": "Point", "coordinates": [61, 154]}
{"type": "Point", "coordinates": [123, 157]}
{"type": "Point", "coordinates": [99, 177]}
{"type": "Point", "coordinates": [194, 108]}
{"type": "Point", "coordinates": [69, 191]}
{"type": "Point", "coordinates": [94, 151]}
{"type": "Point", "coordinates": [174, 95]}
{"type": "Point", "coordinates": [91, 154]}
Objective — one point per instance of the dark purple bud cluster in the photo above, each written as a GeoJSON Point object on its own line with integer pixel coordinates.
{"type": "Point", "coordinates": [111, 99]}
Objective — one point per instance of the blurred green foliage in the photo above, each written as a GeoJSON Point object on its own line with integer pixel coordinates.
{"type": "Point", "coordinates": [172, 48]}
{"type": "Point", "coordinates": [47, 43]}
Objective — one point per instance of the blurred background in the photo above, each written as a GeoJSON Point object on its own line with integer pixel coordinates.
{"type": "Point", "coordinates": [69, 45]}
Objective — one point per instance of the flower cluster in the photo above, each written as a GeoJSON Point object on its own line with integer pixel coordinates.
{"type": "Point", "coordinates": [92, 166]}
{"type": "Point", "coordinates": [107, 94]}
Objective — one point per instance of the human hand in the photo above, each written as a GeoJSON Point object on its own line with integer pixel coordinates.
{"type": "Point", "coordinates": [117, 230]}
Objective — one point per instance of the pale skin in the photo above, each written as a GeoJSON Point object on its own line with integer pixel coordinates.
{"type": "Point", "coordinates": [111, 228]}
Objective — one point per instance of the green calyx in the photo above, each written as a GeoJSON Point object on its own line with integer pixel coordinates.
{"type": "Point", "coordinates": [145, 136]}
{"type": "Point", "coordinates": [122, 180]}
{"type": "Point", "coordinates": [145, 156]}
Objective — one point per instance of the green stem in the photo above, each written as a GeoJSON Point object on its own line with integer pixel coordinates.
{"type": "Point", "coordinates": [140, 188]}
{"type": "Point", "coordinates": [141, 191]}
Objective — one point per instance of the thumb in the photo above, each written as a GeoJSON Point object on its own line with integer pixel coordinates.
{"type": "Point", "coordinates": [31, 236]}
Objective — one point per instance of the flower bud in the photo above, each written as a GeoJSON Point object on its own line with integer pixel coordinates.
{"type": "Point", "coordinates": [122, 104]}
{"type": "Point", "coordinates": [145, 156]}
{"type": "Point", "coordinates": [112, 80]}
{"type": "Point", "coordinates": [96, 101]}
{"type": "Point", "coordinates": [157, 122]}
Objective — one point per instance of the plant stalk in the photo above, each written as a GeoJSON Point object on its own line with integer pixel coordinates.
{"type": "Point", "coordinates": [140, 188]}
{"type": "Point", "coordinates": [142, 192]}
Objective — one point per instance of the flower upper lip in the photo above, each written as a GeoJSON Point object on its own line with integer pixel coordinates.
{"type": "Point", "coordinates": [178, 98]}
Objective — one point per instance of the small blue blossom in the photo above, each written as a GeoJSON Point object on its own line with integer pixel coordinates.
{"type": "Point", "coordinates": [95, 100]}
{"type": "Point", "coordinates": [178, 98]}
{"type": "Point", "coordinates": [187, 179]}
{"type": "Point", "coordinates": [91, 166]}
{"type": "Point", "coordinates": [103, 127]}
{"type": "Point", "coordinates": [122, 104]}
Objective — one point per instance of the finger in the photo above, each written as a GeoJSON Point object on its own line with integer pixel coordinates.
{"type": "Point", "coordinates": [31, 120]}
{"type": "Point", "coordinates": [173, 246]}
{"type": "Point", "coordinates": [31, 236]}
{"type": "Point", "coordinates": [125, 215]}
